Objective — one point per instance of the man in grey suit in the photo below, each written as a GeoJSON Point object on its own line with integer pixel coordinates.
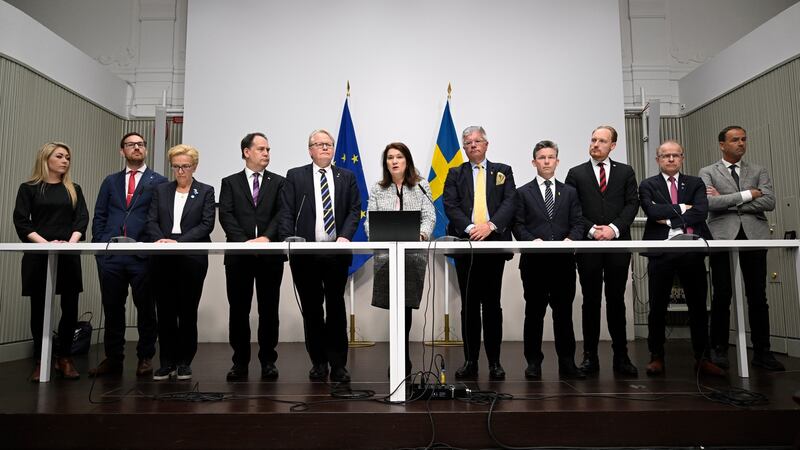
{"type": "Point", "coordinates": [738, 195]}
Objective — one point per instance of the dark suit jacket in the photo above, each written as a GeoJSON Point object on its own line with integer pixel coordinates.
{"type": "Point", "coordinates": [501, 194]}
{"type": "Point", "coordinates": [197, 220]}
{"type": "Point", "coordinates": [298, 204]}
{"type": "Point", "coordinates": [110, 210]}
{"type": "Point", "coordinates": [238, 215]}
{"type": "Point", "coordinates": [617, 205]}
{"type": "Point", "coordinates": [657, 205]}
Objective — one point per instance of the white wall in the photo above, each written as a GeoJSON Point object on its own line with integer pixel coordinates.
{"type": "Point", "coordinates": [526, 71]}
{"type": "Point", "coordinates": [769, 45]}
{"type": "Point", "coordinates": [31, 44]}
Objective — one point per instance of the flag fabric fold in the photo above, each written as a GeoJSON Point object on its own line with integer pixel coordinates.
{"type": "Point", "coordinates": [347, 157]}
{"type": "Point", "coordinates": [446, 154]}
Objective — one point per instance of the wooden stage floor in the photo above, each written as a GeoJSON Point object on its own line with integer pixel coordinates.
{"type": "Point", "coordinates": [676, 410]}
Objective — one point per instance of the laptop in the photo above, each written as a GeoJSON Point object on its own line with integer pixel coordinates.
{"type": "Point", "coordinates": [394, 226]}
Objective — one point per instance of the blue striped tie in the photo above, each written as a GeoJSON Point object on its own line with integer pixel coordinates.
{"type": "Point", "coordinates": [327, 210]}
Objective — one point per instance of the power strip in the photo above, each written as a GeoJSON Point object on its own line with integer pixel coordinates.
{"type": "Point", "coordinates": [438, 391]}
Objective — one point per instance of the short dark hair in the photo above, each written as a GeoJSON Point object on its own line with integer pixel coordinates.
{"type": "Point", "coordinates": [247, 141]}
{"type": "Point", "coordinates": [544, 144]}
{"type": "Point", "coordinates": [725, 130]}
{"type": "Point", "coordinates": [410, 178]}
{"type": "Point", "coordinates": [609, 128]}
{"type": "Point", "coordinates": [127, 135]}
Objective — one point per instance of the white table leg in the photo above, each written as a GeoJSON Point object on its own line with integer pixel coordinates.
{"type": "Point", "coordinates": [397, 322]}
{"type": "Point", "coordinates": [49, 298]}
{"type": "Point", "coordinates": [738, 296]}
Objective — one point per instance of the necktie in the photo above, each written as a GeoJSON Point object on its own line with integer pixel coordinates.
{"type": "Point", "coordinates": [673, 195]}
{"type": "Point", "coordinates": [602, 177]}
{"type": "Point", "coordinates": [549, 203]}
{"type": "Point", "coordinates": [327, 210]}
{"type": "Point", "coordinates": [131, 187]}
{"type": "Point", "coordinates": [479, 205]}
{"type": "Point", "coordinates": [256, 188]}
{"type": "Point", "coordinates": [735, 175]}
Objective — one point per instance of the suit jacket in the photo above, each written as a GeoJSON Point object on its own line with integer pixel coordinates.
{"type": "Point", "coordinates": [197, 220]}
{"type": "Point", "coordinates": [501, 195]}
{"type": "Point", "coordinates": [726, 212]}
{"type": "Point", "coordinates": [657, 205]}
{"type": "Point", "coordinates": [110, 210]}
{"type": "Point", "coordinates": [533, 222]}
{"type": "Point", "coordinates": [298, 203]}
{"type": "Point", "coordinates": [238, 215]}
{"type": "Point", "coordinates": [617, 205]}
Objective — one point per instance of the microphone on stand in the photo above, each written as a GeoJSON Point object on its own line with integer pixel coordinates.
{"type": "Point", "coordinates": [123, 238]}
{"type": "Point", "coordinates": [446, 237]}
{"type": "Point", "coordinates": [297, 238]}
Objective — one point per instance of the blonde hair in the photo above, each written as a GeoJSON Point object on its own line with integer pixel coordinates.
{"type": "Point", "coordinates": [183, 149]}
{"type": "Point", "coordinates": [41, 170]}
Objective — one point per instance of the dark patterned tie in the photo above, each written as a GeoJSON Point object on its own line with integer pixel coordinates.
{"type": "Point", "coordinates": [327, 209]}
{"type": "Point", "coordinates": [256, 188]}
{"type": "Point", "coordinates": [549, 203]}
{"type": "Point", "coordinates": [602, 177]}
{"type": "Point", "coordinates": [735, 176]}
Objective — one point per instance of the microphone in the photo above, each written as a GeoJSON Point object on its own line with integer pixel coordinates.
{"type": "Point", "coordinates": [446, 237]}
{"type": "Point", "coordinates": [123, 239]}
{"type": "Point", "coordinates": [683, 236]}
{"type": "Point", "coordinates": [297, 238]}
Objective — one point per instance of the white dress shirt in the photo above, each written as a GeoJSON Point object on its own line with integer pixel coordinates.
{"type": "Point", "coordinates": [177, 211]}
{"type": "Point", "coordinates": [607, 166]}
{"type": "Point", "coordinates": [250, 174]}
{"type": "Point", "coordinates": [746, 194]}
{"type": "Point", "coordinates": [319, 225]}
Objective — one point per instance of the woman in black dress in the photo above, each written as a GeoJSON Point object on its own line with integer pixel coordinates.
{"type": "Point", "coordinates": [51, 208]}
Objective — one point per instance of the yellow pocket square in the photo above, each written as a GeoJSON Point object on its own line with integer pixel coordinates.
{"type": "Point", "coordinates": [501, 179]}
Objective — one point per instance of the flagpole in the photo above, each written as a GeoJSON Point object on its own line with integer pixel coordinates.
{"type": "Point", "coordinates": [446, 342]}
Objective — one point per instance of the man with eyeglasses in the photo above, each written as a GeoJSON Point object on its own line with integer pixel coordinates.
{"type": "Point", "coordinates": [480, 202]}
{"type": "Point", "coordinates": [121, 211]}
{"type": "Point", "coordinates": [739, 193]}
{"type": "Point", "coordinates": [676, 207]}
{"type": "Point", "coordinates": [249, 211]}
{"type": "Point", "coordinates": [321, 203]}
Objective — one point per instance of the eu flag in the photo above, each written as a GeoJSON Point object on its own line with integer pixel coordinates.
{"type": "Point", "coordinates": [347, 157]}
{"type": "Point", "coordinates": [446, 154]}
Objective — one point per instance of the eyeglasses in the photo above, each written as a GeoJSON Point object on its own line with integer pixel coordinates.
{"type": "Point", "coordinates": [476, 142]}
{"type": "Point", "coordinates": [183, 167]}
{"type": "Point", "coordinates": [671, 156]}
{"type": "Point", "coordinates": [319, 145]}
{"type": "Point", "coordinates": [130, 145]}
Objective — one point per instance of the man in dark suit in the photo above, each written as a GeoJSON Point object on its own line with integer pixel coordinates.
{"type": "Point", "coordinates": [548, 210]}
{"type": "Point", "coordinates": [607, 190]}
{"type": "Point", "coordinates": [739, 193]}
{"type": "Point", "coordinates": [121, 210]}
{"type": "Point", "coordinates": [480, 202]}
{"type": "Point", "coordinates": [321, 203]}
{"type": "Point", "coordinates": [676, 206]}
{"type": "Point", "coordinates": [249, 211]}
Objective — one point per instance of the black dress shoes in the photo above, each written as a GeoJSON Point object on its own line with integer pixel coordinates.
{"type": "Point", "coordinates": [570, 372]}
{"type": "Point", "coordinates": [766, 360]}
{"type": "Point", "coordinates": [496, 371]}
{"type": "Point", "coordinates": [624, 366]}
{"type": "Point", "coordinates": [590, 364]}
{"type": "Point", "coordinates": [318, 372]}
{"type": "Point", "coordinates": [533, 371]}
{"type": "Point", "coordinates": [468, 370]}
{"type": "Point", "coordinates": [719, 356]}
{"type": "Point", "coordinates": [340, 374]}
{"type": "Point", "coordinates": [237, 373]}
{"type": "Point", "coordinates": [269, 372]}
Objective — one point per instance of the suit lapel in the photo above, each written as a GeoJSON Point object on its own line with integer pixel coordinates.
{"type": "Point", "coordinates": [171, 200]}
{"type": "Point", "coordinates": [744, 171]}
{"type": "Point", "coordinates": [557, 188]}
{"type": "Point", "coordinates": [121, 188]}
{"type": "Point", "coordinates": [311, 196]}
{"type": "Point", "coordinates": [491, 182]}
{"type": "Point", "coordinates": [589, 168]}
{"type": "Point", "coordinates": [726, 175]}
{"type": "Point", "coordinates": [244, 186]}
{"type": "Point", "coordinates": [191, 201]}
{"type": "Point", "coordinates": [538, 199]}
{"type": "Point", "coordinates": [661, 185]}
{"type": "Point", "coordinates": [466, 171]}
{"type": "Point", "coordinates": [265, 183]}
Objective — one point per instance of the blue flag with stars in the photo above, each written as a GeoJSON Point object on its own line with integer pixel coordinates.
{"type": "Point", "coordinates": [347, 157]}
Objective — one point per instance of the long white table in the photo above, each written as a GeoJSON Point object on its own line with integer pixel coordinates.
{"type": "Point", "coordinates": [397, 251]}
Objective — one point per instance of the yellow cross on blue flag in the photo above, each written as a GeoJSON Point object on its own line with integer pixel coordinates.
{"type": "Point", "coordinates": [347, 157]}
{"type": "Point", "coordinates": [446, 154]}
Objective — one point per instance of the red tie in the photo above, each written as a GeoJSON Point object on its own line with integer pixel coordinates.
{"type": "Point", "coordinates": [602, 177]}
{"type": "Point", "coordinates": [673, 194]}
{"type": "Point", "coordinates": [131, 187]}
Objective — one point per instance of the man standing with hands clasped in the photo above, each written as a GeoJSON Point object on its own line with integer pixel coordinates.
{"type": "Point", "coordinates": [738, 195]}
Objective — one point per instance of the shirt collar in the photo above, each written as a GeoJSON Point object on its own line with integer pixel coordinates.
{"type": "Point", "coordinates": [250, 173]}
{"type": "Point", "coordinates": [666, 177]}
{"type": "Point", "coordinates": [139, 170]}
{"type": "Point", "coordinates": [729, 164]}
{"type": "Point", "coordinates": [316, 168]}
{"type": "Point", "coordinates": [540, 180]}
{"type": "Point", "coordinates": [483, 163]}
{"type": "Point", "coordinates": [596, 161]}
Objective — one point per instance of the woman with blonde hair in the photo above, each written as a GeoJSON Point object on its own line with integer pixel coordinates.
{"type": "Point", "coordinates": [51, 208]}
{"type": "Point", "coordinates": [181, 211]}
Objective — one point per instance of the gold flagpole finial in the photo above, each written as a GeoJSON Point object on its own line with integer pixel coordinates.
{"type": "Point", "coordinates": [348, 88]}
{"type": "Point", "coordinates": [449, 90]}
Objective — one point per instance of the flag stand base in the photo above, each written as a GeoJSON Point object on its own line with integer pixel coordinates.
{"type": "Point", "coordinates": [353, 343]}
{"type": "Point", "coordinates": [446, 342]}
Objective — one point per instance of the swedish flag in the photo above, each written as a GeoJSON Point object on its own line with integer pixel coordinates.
{"type": "Point", "coordinates": [446, 154]}
{"type": "Point", "coordinates": [347, 157]}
